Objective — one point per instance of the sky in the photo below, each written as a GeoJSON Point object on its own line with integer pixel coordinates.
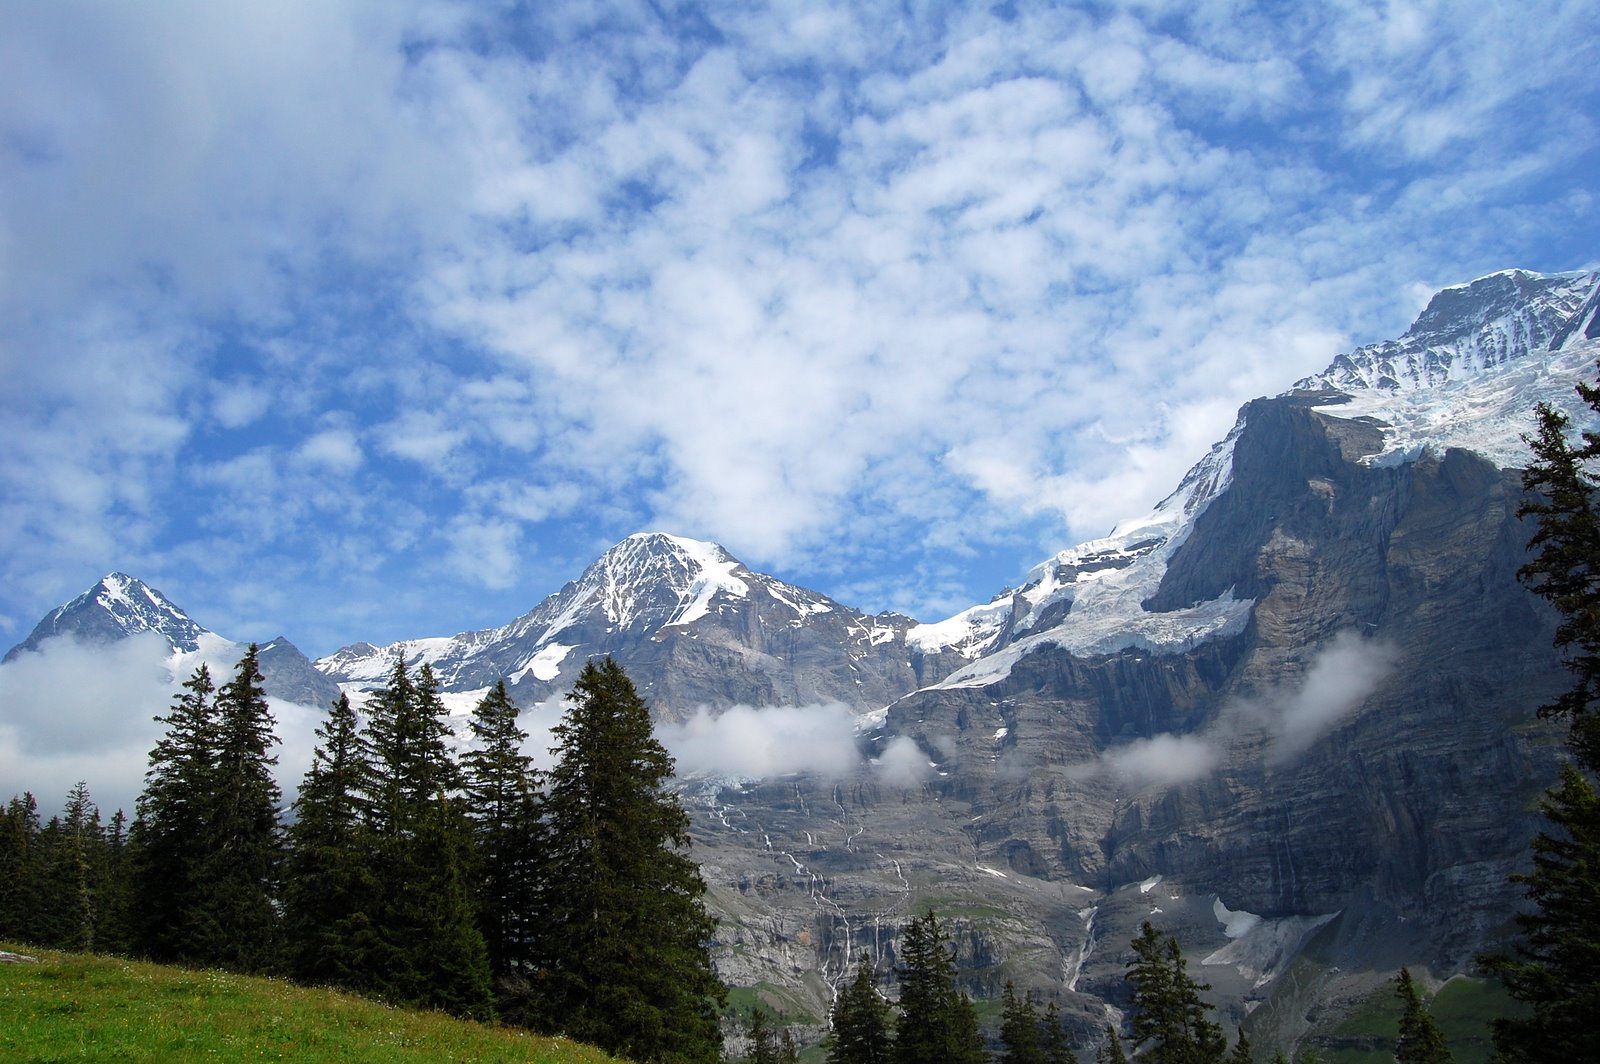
{"type": "Point", "coordinates": [367, 321]}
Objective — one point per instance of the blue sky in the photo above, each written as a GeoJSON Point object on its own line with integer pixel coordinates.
{"type": "Point", "coordinates": [356, 321]}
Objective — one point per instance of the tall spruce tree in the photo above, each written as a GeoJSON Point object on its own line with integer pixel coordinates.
{"type": "Point", "coordinates": [623, 946]}
{"type": "Point", "coordinates": [1565, 571]}
{"type": "Point", "coordinates": [937, 1023]}
{"type": "Point", "coordinates": [239, 872]}
{"type": "Point", "coordinates": [503, 804]}
{"type": "Point", "coordinates": [425, 946]}
{"type": "Point", "coordinates": [170, 832]}
{"type": "Point", "coordinates": [1170, 1025]}
{"type": "Point", "coordinates": [330, 892]}
{"type": "Point", "coordinates": [1553, 969]}
{"type": "Point", "coordinates": [19, 882]}
{"type": "Point", "coordinates": [860, 1021]}
{"type": "Point", "coordinates": [1420, 1041]}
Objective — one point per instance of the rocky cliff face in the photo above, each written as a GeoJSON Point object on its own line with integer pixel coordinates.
{"type": "Point", "coordinates": [1290, 716]}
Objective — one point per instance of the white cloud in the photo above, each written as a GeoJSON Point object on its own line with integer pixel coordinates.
{"type": "Point", "coordinates": [827, 278]}
{"type": "Point", "coordinates": [903, 763]}
{"type": "Point", "coordinates": [745, 741]}
{"type": "Point", "coordinates": [75, 711]}
{"type": "Point", "coordinates": [1163, 760]}
{"type": "Point", "coordinates": [1342, 676]}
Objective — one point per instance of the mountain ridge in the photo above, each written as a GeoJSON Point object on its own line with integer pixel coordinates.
{"type": "Point", "coordinates": [1289, 713]}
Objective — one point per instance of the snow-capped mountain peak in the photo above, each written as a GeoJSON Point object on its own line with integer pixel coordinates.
{"type": "Point", "coordinates": [1467, 374]}
{"type": "Point", "coordinates": [117, 606]}
{"type": "Point", "coordinates": [1467, 331]}
{"type": "Point", "coordinates": [657, 579]}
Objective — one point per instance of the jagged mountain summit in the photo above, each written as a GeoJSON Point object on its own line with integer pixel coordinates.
{"type": "Point", "coordinates": [1467, 375]}
{"type": "Point", "coordinates": [116, 607]}
{"type": "Point", "coordinates": [693, 625]}
{"type": "Point", "coordinates": [119, 606]}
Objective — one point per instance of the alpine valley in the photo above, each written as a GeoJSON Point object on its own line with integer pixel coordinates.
{"type": "Point", "coordinates": [1289, 715]}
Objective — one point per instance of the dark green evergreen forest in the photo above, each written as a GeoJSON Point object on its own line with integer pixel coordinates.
{"type": "Point", "coordinates": [475, 885]}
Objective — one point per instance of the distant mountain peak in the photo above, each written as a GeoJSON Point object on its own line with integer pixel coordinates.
{"type": "Point", "coordinates": [117, 606]}
{"type": "Point", "coordinates": [1467, 331]}
{"type": "Point", "coordinates": [657, 579]}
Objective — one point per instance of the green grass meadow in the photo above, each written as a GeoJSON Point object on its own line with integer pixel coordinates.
{"type": "Point", "coordinates": [85, 1007]}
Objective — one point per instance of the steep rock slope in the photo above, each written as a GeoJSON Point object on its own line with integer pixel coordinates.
{"type": "Point", "coordinates": [1290, 714]}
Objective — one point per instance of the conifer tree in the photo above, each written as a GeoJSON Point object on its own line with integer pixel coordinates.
{"type": "Point", "coordinates": [240, 869]}
{"type": "Point", "coordinates": [860, 1020]}
{"type": "Point", "coordinates": [425, 948]}
{"type": "Point", "coordinates": [169, 835]}
{"type": "Point", "coordinates": [937, 1023]}
{"type": "Point", "coordinates": [78, 859]}
{"type": "Point", "coordinates": [622, 948]}
{"type": "Point", "coordinates": [1110, 1051]}
{"type": "Point", "coordinates": [1019, 1029]}
{"type": "Point", "coordinates": [1561, 497]}
{"type": "Point", "coordinates": [112, 929]}
{"type": "Point", "coordinates": [503, 805]}
{"type": "Point", "coordinates": [1057, 1050]}
{"type": "Point", "coordinates": [1241, 1051]}
{"type": "Point", "coordinates": [19, 879]}
{"type": "Point", "coordinates": [330, 892]}
{"type": "Point", "coordinates": [1420, 1041]}
{"type": "Point", "coordinates": [1170, 1025]}
{"type": "Point", "coordinates": [763, 1040]}
{"type": "Point", "coordinates": [1552, 970]}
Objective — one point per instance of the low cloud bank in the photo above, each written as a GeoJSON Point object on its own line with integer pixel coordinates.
{"type": "Point", "coordinates": [73, 711]}
{"type": "Point", "coordinates": [745, 741]}
{"type": "Point", "coordinates": [1164, 760]}
{"type": "Point", "coordinates": [1342, 676]}
{"type": "Point", "coordinates": [903, 763]}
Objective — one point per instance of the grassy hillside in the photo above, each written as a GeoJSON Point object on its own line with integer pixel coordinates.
{"type": "Point", "coordinates": [78, 1007]}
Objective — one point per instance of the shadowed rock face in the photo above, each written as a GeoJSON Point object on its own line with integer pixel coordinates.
{"type": "Point", "coordinates": [1402, 807]}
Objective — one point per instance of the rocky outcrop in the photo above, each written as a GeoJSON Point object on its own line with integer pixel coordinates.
{"type": "Point", "coordinates": [1379, 824]}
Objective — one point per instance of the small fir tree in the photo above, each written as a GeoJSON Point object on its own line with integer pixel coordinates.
{"type": "Point", "coordinates": [1170, 1025]}
{"type": "Point", "coordinates": [1053, 1040]}
{"type": "Point", "coordinates": [937, 1023]}
{"type": "Point", "coordinates": [1019, 1029]}
{"type": "Point", "coordinates": [1421, 1041]}
{"type": "Point", "coordinates": [1111, 1051]}
{"type": "Point", "coordinates": [860, 1020]}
